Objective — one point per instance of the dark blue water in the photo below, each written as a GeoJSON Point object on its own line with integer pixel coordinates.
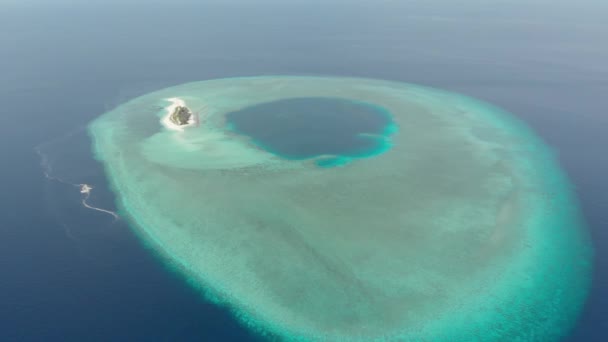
{"type": "Point", "coordinates": [71, 274]}
{"type": "Point", "coordinates": [303, 128]}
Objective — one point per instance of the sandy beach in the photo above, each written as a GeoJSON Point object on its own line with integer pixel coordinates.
{"type": "Point", "coordinates": [175, 102]}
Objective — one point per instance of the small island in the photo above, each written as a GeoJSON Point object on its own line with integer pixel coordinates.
{"type": "Point", "coordinates": [178, 116]}
{"type": "Point", "coordinates": [181, 116]}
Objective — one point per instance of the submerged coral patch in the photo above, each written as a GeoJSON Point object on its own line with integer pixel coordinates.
{"type": "Point", "coordinates": [460, 228]}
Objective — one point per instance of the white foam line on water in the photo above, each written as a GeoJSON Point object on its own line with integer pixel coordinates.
{"type": "Point", "coordinates": [85, 189]}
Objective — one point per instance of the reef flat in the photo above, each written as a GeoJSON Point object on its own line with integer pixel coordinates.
{"type": "Point", "coordinates": [458, 226]}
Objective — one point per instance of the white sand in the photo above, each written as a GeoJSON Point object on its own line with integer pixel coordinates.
{"type": "Point", "coordinates": [166, 121]}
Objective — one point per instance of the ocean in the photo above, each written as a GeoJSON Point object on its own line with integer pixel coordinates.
{"type": "Point", "coordinates": [70, 273]}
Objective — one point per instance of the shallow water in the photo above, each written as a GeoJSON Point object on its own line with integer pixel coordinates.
{"type": "Point", "coordinates": [456, 231]}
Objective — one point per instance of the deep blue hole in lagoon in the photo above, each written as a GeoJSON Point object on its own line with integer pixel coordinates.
{"type": "Point", "coordinates": [334, 129]}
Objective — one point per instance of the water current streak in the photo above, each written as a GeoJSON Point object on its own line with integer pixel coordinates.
{"type": "Point", "coordinates": [85, 189]}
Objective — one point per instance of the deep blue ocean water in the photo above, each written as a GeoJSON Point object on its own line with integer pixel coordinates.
{"type": "Point", "coordinates": [311, 127]}
{"type": "Point", "coordinates": [72, 274]}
